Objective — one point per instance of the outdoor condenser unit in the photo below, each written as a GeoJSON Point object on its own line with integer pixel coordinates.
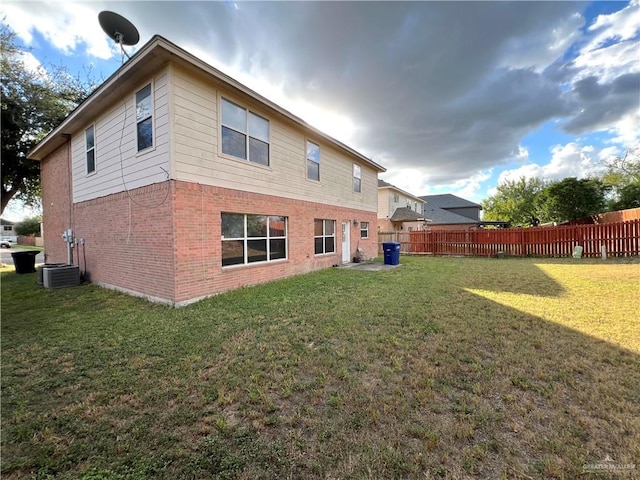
{"type": "Point", "coordinates": [61, 276]}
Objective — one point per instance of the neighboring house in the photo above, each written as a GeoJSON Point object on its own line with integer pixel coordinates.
{"type": "Point", "coordinates": [183, 183]}
{"type": "Point", "coordinates": [8, 233]}
{"type": "Point", "coordinates": [449, 212]}
{"type": "Point", "coordinates": [398, 210]}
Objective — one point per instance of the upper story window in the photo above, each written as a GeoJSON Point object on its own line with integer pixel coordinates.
{"type": "Point", "coordinates": [313, 161]}
{"type": "Point", "coordinates": [7, 228]}
{"type": "Point", "coordinates": [144, 118]}
{"type": "Point", "coordinates": [396, 198]}
{"type": "Point", "coordinates": [357, 178]}
{"type": "Point", "coordinates": [244, 134]}
{"type": "Point", "coordinates": [90, 140]}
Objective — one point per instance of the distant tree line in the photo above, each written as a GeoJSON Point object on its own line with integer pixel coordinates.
{"type": "Point", "coordinates": [531, 201]}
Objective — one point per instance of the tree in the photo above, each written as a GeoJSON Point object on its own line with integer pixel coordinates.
{"type": "Point", "coordinates": [33, 103]}
{"type": "Point", "coordinates": [623, 177]}
{"type": "Point", "coordinates": [628, 196]}
{"type": "Point", "coordinates": [570, 199]}
{"type": "Point", "coordinates": [514, 201]}
{"type": "Point", "coordinates": [29, 226]}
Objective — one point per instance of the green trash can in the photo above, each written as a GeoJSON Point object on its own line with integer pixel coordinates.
{"type": "Point", "coordinates": [25, 262]}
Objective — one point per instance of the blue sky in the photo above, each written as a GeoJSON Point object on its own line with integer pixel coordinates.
{"type": "Point", "coordinates": [450, 97]}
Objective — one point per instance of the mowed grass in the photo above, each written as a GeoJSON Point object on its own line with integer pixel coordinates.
{"type": "Point", "coordinates": [440, 368]}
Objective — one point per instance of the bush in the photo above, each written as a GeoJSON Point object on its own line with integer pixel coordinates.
{"type": "Point", "coordinates": [30, 226]}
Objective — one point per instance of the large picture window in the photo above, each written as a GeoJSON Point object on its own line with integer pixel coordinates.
{"type": "Point", "coordinates": [144, 118]}
{"type": "Point", "coordinates": [244, 134]}
{"type": "Point", "coordinates": [313, 161]}
{"type": "Point", "coordinates": [324, 236]}
{"type": "Point", "coordinates": [90, 138]}
{"type": "Point", "coordinates": [253, 238]}
{"type": "Point", "coordinates": [357, 178]}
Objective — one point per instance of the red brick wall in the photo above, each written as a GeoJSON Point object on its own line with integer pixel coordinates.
{"type": "Point", "coordinates": [56, 203]}
{"type": "Point", "coordinates": [129, 240]}
{"type": "Point", "coordinates": [164, 241]}
{"type": "Point", "coordinates": [198, 243]}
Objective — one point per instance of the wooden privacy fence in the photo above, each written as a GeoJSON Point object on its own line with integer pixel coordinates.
{"type": "Point", "coordinates": [619, 239]}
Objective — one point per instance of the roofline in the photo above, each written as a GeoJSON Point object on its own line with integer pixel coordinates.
{"type": "Point", "coordinates": [402, 191]}
{"type": "Point", "coordinates": [157, 42]}
{"type": "Point", "coordinates": [471, 204]}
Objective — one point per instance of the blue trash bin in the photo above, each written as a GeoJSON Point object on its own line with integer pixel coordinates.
{"type": "Point", "coordinates": [391, 252]}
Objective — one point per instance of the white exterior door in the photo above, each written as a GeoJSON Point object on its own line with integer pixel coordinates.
{"type": "Point", "coordinates": [346, 241]}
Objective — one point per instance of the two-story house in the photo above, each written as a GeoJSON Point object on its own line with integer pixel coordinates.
{"type": "Point", "coordinates": [179, 183]}
{"type": "Point", "coordinates": [398, 210]}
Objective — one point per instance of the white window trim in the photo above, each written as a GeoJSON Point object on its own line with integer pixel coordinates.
{"type": "Point", "coordinates": [86, 150]}
{"type": "Point", "coordinates": [324, 235]}
{"type": "Point", "coordinates": [361, 229]}
{"type": "Point", "coordinates": [229, 156]}
{"type": "Point", "coordinates": [152, 147]}
{"type": "Point", "coordinates": [307, 159]}
{"type": "Point", "coordinates": [353, 177]}
{"type": "Point", "coordinates": [246, 238]}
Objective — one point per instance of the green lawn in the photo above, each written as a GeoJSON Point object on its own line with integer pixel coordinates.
{"type": "Point", "coordinates": [440, 368]}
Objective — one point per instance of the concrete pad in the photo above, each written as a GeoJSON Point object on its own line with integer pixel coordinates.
{"type": "Point", "coordinates": [368, 266]}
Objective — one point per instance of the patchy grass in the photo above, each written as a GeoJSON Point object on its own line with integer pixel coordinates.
{"type": "Point", "coordinates": [441, 368]}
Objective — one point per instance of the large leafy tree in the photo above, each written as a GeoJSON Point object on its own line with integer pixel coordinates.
{"type": "Point", "coordinates": [33, 102]}
{"type": "Point", "coordinates": [572, 198]}
{"type": "Point", "coordinates": [515, 201]}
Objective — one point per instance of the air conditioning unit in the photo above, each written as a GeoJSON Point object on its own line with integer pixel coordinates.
{"type": "Point", "coordinates": [61, 276]}
{"type": "Point", "coordinates": [40, 268]}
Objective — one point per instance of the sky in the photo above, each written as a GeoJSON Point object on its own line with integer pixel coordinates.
{"type": "Point", "coordinates": [448, 96]}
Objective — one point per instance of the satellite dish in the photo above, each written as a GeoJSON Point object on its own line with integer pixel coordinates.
{"type": "Point", "coordinates": [119, 29]}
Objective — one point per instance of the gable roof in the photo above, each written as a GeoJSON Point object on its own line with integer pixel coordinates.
{"type": "Point", "coordinates": [447, 200]}
{"type": "Point", "coordinates": [154, 54]}
{"type": "Point", "coordinates": [383, 184]}
{"type": "Point", "coordinates": [405, 214]}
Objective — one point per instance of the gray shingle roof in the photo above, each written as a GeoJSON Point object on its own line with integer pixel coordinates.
{"type": "Point", "coordinates": [405, 214]}
{"type": "Point", "coordinates": [439, 216]}
{"type": "Point", "coordinates": [447, 200]}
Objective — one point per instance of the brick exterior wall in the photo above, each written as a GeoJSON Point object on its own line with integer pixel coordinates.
{"type": "Point", "coordinates": [197, 213]}
{"type": "Point", "coordinates": [56, 203]}
{"type": "Point", "coordinates": [163, 241]}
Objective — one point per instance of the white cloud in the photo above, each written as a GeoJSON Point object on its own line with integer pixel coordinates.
{"type": "Point", "coordinates": [569, 160]}
{"type": "Point", "coordinates": [611, 47]}
{"type": "Point", "coordinates": [626, 130]}
{"type": "Point", "coordinates": [66, 26]}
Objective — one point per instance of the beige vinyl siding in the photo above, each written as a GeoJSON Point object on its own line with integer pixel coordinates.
{"type": "Point", "coordinates": [386, 205]}
{"type": "Point", "coordinates": [198, 156]}
{"type": "Point", "coordinates": [383, 203]}
{"type": "Point", "coordinates": [116, 147]}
